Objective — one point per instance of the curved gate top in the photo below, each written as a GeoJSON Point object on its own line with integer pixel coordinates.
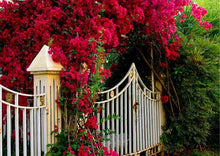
{"type": "Point", "coordinates": [139, 126]}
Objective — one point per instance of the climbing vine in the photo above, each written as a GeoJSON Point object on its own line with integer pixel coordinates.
{"type": "Point", "coordinates": [80, 34]}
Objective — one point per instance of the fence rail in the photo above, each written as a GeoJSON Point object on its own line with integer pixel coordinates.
{"type": "Point", "coordinates": [139, 126]}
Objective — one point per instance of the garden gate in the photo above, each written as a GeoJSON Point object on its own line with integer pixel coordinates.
{"type": "Point", "coordinates": [26, 130]}
{"type": "Point", "coordinates": [22, 128]}
{"type": "Point", "coordinates": [139, 109]}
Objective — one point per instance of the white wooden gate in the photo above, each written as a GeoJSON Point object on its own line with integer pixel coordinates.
{"type": "Point", "coordinates": [139, 126]}
{"type": "Point", "coordinates": [22, 128]}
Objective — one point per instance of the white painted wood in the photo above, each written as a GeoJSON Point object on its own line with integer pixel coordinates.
{"type": "Point", "coordinates": [52, 111]}
{"type": "Point", "coordinates": [32, 132]}
{"type": "Point", "coordinates": [44, 62]}
{"type": "Point", "coordinates": [38, 128]}
{"type": "Point", "coordinates": [45, 129]}
{"type": "Point", "coordinates": [8, 131]}
{"type": "Point", "coordinates": [117, 123]}
{"type": "Point", "coordinates": [152, 122]}
{"type": "Point", "coordinates": [24, 133]}
{"type": "Point", "coordinates": [126, 121]}
{"type": "Point", "coordinates": [134, 114]}
{"type": "Point", "coordinates": [148, 121]}
{"type": "Point", "coordinates": [55, 105]}
{"type": "Point", "coordinates": [113, 125]}
{"type": "Point", "coordinates": [143, 129]}
{"type": "Point", "coordinates": [14, 92]}
{"type": "Point", "coordinates": [130, 122]}
{"type": "Point", "coordinates": [121, 125]}
{"type": "Point", "coordinates": [138, 118]}
{"type": "Point", "coordinates": [47, 72]}
{"type": "Point", "coordinates": [145, 118]}
{"type": "Point", "coordinates": [108, 121]}
{"type": "Point", "coordinates": [16, 126]}
{"type": "Point", "coordinates": [1, 127]}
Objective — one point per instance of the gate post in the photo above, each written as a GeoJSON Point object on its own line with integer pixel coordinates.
{"type": "Point", "coordinates": [46, 74]}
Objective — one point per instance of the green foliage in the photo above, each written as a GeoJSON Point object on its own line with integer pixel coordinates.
{"type": "Point", "coordinates": [205, 153]}
{"type": "Point", "coordinates": [196, 79]}
{"type": "Point", "coordinates": [58, 147]}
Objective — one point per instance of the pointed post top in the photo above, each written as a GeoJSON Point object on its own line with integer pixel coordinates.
{"type": "Point", "coordinates": [43, 62]}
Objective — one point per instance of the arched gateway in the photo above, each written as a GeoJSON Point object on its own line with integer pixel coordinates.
{"type": "Point", "coordinates": [139, 110]}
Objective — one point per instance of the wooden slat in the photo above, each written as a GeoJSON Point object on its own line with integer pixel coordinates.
{"type": "Point", "coordinates": [126, 121]}
{"type": "Point", "coordinates": [143, 123]}
{"type": "Point", "coordinates": [45, 127]}
{"type": "Point", "coordinates": [16, 126]}
{"type": "Point", "coordinates": [145, 119]}
{"type": "Point", "coordinates": [130, 122]}
{"type": "Point", "coordinates": [117, 123]}
{"type": "Point", "coordinates": [24, 133]}
{"type": "Point", "coordinates": [8, 130]}
{"type": "Point", "coordinates": [38, 130]}
{"type": "Point", "coordinates": [108, 121]}
{"type": "Point", "coordinates": [138, 117]}
{"type": "Point", "coordinates": [32, 133]}
{"type": "Point", "coordinates": [134, 115]}
{"type": "Point", "coordinates": [121, 124]}
{"type": "Point", "coordinates": [113, 125]}
{"type": "Point", "coordinates": [150, 123]}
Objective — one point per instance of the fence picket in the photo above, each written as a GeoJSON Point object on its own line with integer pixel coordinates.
{"type": "Point", "coordinates": [113, 125]}
{"type": "Point", "coordinates": [143, 125]}
{"type": "Point", "coordinates": [31, 132]}
{"type": "Point", "coordinates": [138, 117]}
{"type": "Point", "coordinates": [8, 130]}
{"type": "Point", "coordinates": [24, 133]}
{"type": "Point", "coordinates": [16, 126]}
{"type": "Point", "coordinates": [117, 122]}
{"type": "Point", "coordinates": [134, 115]}
{"type": "Point", "coordinates": [126, 121]}
{"type": "Point", "coordinates": [38, 130]}
{"type": "Point", "coordinates": [130, 122]}
{"type": "Point", "coordinates": [121, 124]}
{"type": "Point", "coordinates": [108, 121]}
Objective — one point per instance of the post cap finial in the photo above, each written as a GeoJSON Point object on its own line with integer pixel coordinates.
{"type": "Point", "coordinates": [43, 62]}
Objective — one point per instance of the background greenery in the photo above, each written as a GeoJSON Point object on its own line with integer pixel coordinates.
{"type": "Point", "coordinates": [196, 78]}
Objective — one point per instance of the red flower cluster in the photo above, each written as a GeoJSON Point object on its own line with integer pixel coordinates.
{"type": "Point", "coordinates": [198, 12]}
{"type": "Point", "coordinates": [91, 123]}
{"type": "Point", "coordinates": [165, 99]}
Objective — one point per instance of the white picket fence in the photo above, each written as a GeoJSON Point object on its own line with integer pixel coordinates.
{"type": "Point", "coordinates": [139, 126]}
{"type": "Point", "coordinates": [25, 134]}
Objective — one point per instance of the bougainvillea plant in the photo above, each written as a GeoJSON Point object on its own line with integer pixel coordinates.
{"type": "Point", "coordinates": [80, 34]}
